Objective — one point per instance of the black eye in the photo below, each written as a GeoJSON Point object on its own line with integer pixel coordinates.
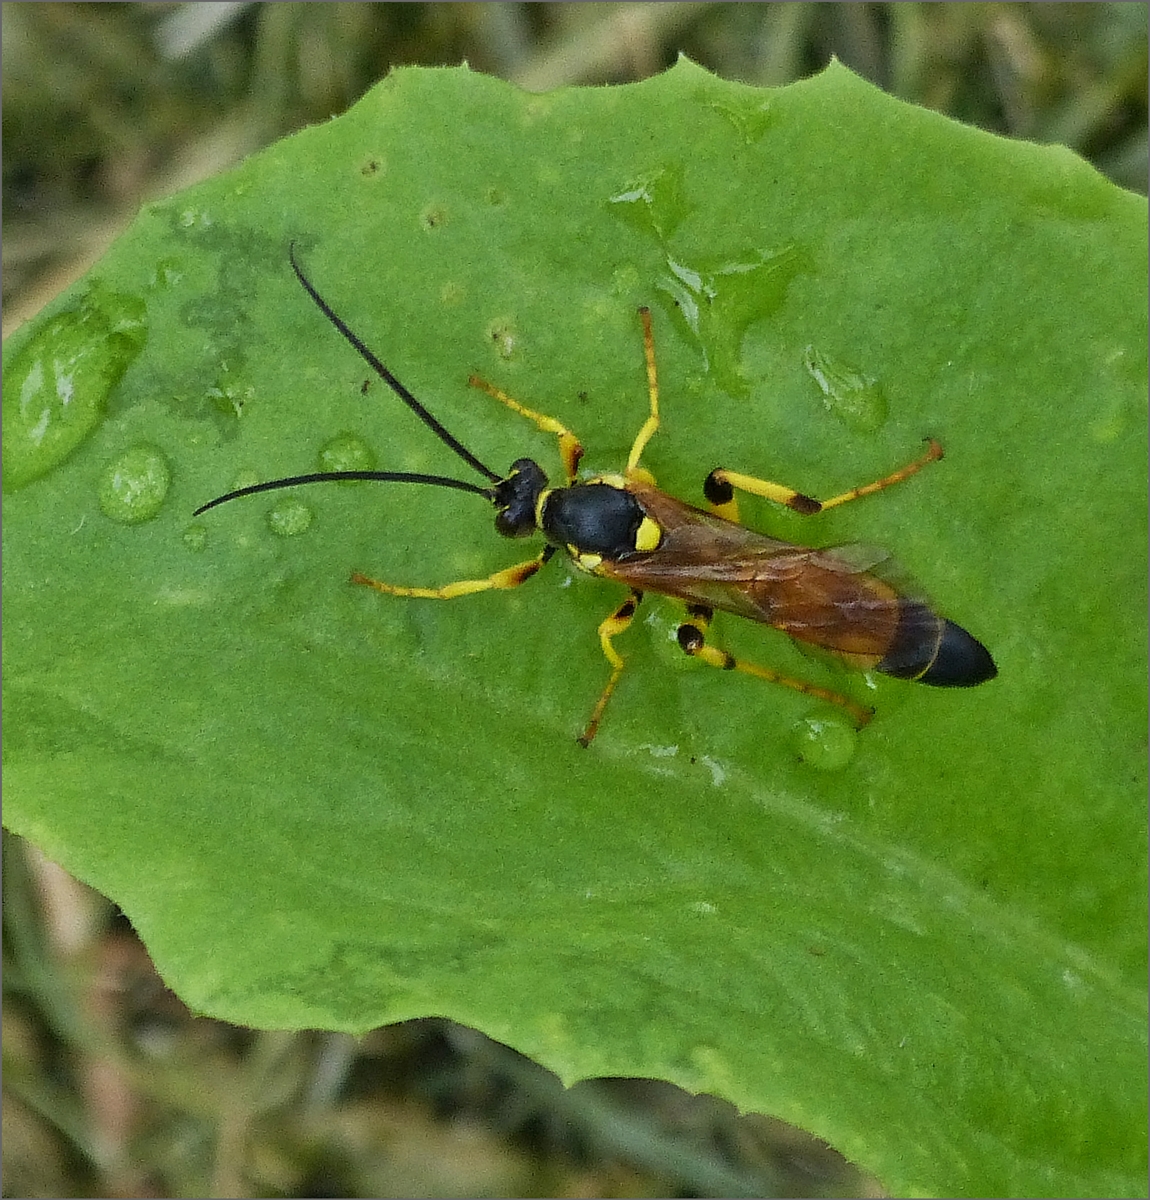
{"type": "Point", "coordinates": [593, 517]}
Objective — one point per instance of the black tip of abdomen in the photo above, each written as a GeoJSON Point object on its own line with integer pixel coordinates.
{"type": "Point", "coordinates": [961, 660]}
{"type": "Point", "coordinates": [930, 649]}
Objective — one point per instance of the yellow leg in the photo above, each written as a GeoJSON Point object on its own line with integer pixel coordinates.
{"type": "Point", "coordinates": [569, 448]}
{"type": "Point", "coordinates": [651, 424]}
{"type": "Point", "coordinates": [510, 577]}
{"type": "Point", "coordinates": [614, 625]}
{"type": "Point", "coordinates": [720, 487]}
{"type": "Point", "coordinates": [693, 640]}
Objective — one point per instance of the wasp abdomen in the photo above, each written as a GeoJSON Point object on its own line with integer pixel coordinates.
{"type": "Point", "coordinates": [930, 649]}
{"type": "Point", "coordinates": [960, 661]}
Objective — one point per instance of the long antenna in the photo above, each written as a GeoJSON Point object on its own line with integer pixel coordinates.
{"type": "Point", "coordinates": [388, 378]}
{"type": "Point", "coordinates": [331, 476]}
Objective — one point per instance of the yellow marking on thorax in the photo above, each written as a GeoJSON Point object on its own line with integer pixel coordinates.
{"type": "Point", "coordinates": [585, 562]}
{"type": "Point", "coordinates": [648, 535]}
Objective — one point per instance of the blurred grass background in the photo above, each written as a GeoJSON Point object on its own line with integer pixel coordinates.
{"type": "Point", "coordinates": [111, 1087]}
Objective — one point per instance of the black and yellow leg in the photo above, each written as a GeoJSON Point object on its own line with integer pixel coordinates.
{"type": "Point", "coordinates": [693, 640]}
{"type": "Point", "coordinates": [570, 449]}
{"type": "Point", "coordinates": [720, 487]}
{"type": "Point", "coordinates": [614, 625]}
{"type": "Point", "coordinates": [651, 424]}
{"type": "Point", "coordinates": [509, 577]}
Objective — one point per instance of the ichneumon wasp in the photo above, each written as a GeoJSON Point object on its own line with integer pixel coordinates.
{"type": "Point", "coordinates": [622, 527]}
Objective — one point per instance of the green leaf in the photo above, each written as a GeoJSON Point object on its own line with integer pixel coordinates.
{"type": "Point", "coordinates": [325, 807]}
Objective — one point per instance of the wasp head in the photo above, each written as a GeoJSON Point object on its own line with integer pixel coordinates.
{"type": "Point", "coordinates": [516, 496]}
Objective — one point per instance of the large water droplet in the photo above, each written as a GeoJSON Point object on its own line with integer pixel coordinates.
{"type": "Point", "coordinates": [713, 303]}
{"type": "Point", "coordinates": [57, 386]}
{"type": "Point", "coordinates": [854, 398]}
{"type": "Point", "coordinates": [134, 486]}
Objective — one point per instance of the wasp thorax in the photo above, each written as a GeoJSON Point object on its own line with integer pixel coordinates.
{"type": "Point", "coordinates": [598, 518]}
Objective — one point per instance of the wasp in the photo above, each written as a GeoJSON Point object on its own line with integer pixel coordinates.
{"type": "Point", "coordinates": [622, 527]}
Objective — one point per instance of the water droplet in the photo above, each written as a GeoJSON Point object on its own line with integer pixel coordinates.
{"type": "Point", "coordinates": [453, 293]}
{"type": "Point", "coordinates": [714, 303]}
{"type": "Point", "coordinates": [289, 517]}
{"type": "Point", "coordinates": [346, 452]}
{"type": "Point", "coordinates": [1119, 379]}
{"type": "Point", "coordinates": [434, 216]}
{"type": "Point", "coordinates": [504, 336]}
{"type": "Point", "coordinates": [194, 218]}
{"type": "Point", "coordinates": [230, 398]}
{"type": "Point", "coordinates": [196, 536]}
{"type": "Point", "coordinates": [1109, 427]}
{"type": "Point", "coordinates": [625, 279]}
{"type": "Point", "coordinates": [718, 771]}
{"type": "Point", "coordinates": [751, 120]}
{"type": "Point", "coordinates": [57, 386]}
{"type": "Point", "coordinates": [825, 743]}
{"type": "Point", "coordinates": [133, 487]}
{"type": "Point", "coordinates": [854, 398]}
{"type": "Point", "coordinates": [653, 203]}
{"type": "Point", "coordinates": [167, 272]}
{"type": "Point", "coordinates": [244, 479]}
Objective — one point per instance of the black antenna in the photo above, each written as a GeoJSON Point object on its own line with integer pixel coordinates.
{"type": "Point", "coordinates": [393, 383]}
{"type": "Point", "coordinates": [332, 476]}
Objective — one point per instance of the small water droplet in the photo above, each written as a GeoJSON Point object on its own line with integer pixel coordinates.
{"type": "Point", "coordinates": [194, 218]}
{"type": "Point", "coordinates": [434, 216]}
{"type": "Point", "coordinates": [133, 487]}
{"type": "Point", "coordinates": [826, 743]}
{"type": "Point", "coordinates": [854, 398]}
{"type": "Point", "coordinates": [625, 279]}
{"type": "Point", "coordinates": [230, 398]}
{"type": "Point", "coordinates": [289, 517]}
{"type": "Point", "coordinates": [167, 272]}
{"type": "Point", "coordinates": [245, 479]}
{"type": "Point", "coordinates": [196, 536]}
{"type": "Point", "coordinates": [57, 386]}
{"type": "Point", "coordinates": [751, 120]}
{"type": "Point", "coordinates": [718, 771]}
{"type": "Point", "coordinates": [714, 303]}
{"type": "Point", "coordinates": [653, 203]}
{"type": "Point", "coordinates": [452, 293]}
{"type": "Point", "coordinates": [504, 337]}
{"type": "Point", "coordinates": [346, 452]}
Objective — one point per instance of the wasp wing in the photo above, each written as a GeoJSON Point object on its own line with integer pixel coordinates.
{"type": "Point", "coordinates": [830, 598]}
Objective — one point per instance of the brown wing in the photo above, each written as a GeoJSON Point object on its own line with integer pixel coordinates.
{"type": "Point", "coordinates": [830, 598]}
